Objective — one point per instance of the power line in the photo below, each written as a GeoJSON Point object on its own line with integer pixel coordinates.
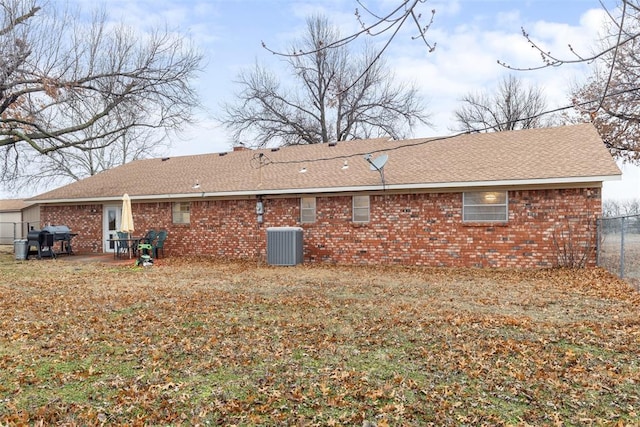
{"type": "Point", "coordinates": [265, 161]}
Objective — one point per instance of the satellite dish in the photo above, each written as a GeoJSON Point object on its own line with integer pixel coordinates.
{"type": "Point", "coordinates": [378, 163]}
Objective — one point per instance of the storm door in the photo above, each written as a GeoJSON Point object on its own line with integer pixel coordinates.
{"type": "Point", "coordinates": [111, 218]}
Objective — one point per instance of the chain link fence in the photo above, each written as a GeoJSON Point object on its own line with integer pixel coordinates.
{"type": "Point", "coordinates": [10, 231]}
{"type": "Point", "coordinates": [619, 245]}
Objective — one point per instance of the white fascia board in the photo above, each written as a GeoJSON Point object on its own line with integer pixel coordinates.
{"type": "Point", "coordinates": [351, 189]}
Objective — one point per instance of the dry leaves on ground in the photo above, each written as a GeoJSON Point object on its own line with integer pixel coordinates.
{"type": "Point", "coordinates": [192, 341]}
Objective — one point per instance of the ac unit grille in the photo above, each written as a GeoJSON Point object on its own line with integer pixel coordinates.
{"type": "Point", "coordinates": [284, 246]}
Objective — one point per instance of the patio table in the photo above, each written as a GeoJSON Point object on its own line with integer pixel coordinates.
{"type": "Point", "coordinates": [132, 245]}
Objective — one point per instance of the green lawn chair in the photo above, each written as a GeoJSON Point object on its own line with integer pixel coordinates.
{"type": "Point", "coordinates": [159, 244]}
{"type": "Point", "coordinates": [149, 237]}
{"type": "Point", "coordinates": [122, 244]}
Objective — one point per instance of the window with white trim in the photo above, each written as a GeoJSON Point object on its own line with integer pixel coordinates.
{"type": "Point", "coordinates": [360, 208]}
{"type": "Point", "coordinates": [485, 206]}
{"type": "Point", "coordinates": [307, 209]}
{"type": "Point", "coordinates": [181, 212]}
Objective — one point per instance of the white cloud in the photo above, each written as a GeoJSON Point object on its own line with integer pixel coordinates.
{"type": "Point", "coordinates": [443, 8]}
{"type": "Point", "coordinates": [626, 189]}
{"type": "Point", "coordinates": [509, 19]}
{"type": "Point", "coordinates": [467, 54]}
{"type": "Point", "coordinates": [206, 136]}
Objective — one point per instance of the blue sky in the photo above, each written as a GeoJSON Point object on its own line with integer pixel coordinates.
{"type": "Point", "coordinates": [471, 36]}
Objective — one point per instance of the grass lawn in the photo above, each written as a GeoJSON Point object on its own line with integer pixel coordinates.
{"type": "Point", "coordinates": [199, 342]}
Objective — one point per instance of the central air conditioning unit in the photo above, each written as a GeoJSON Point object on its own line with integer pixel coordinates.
{"type": "Point", "coordinates": [284, 246]}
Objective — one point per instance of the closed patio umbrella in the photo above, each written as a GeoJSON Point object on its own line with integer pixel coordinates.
{"type": "Point", "coordinates": [126, 223]}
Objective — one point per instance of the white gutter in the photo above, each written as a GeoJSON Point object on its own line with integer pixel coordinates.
{"type": "Point", "coordinates": [351, 189]}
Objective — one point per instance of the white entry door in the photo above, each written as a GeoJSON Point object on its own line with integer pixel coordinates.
{"type": "Point", "coordinates": [111, 218]}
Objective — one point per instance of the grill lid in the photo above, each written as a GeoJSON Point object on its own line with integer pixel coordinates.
{"type": "Point", "coordinates": [57, 229]}
{"type": "Point", "coordinates": [33, 235]}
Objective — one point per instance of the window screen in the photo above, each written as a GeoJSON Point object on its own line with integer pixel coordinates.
{"type": "Point", "coordinates": [360, 208]}
{"type": "Point", "coordinates": [307, 209]}
{"type": "Point", "coordinates": [485, 206]}
{"type": "Point", "coordinates": [180, 211]}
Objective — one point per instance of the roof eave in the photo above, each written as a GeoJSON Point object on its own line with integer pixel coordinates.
{"type": "Point", "coordinates": [350, 189]}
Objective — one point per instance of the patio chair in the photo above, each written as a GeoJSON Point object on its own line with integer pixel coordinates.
{"type": "Point", "coordinates": [149, 237]}
{"type": "Point", "coordinates": [122, 245]}
{"type": "Point", "coordinates": [159, 244]}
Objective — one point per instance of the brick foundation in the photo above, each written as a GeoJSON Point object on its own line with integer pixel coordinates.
{"type": "Point", "coordinates": [545, 228]}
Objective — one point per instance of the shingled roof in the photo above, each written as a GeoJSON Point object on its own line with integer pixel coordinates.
{"type": "Point", "coordinates": [12, 205]}
{"type": "Point", "coordinates": [560, 155]}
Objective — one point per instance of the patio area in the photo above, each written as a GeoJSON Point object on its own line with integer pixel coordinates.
{"type": "Point", "coordinates": [104, 258]}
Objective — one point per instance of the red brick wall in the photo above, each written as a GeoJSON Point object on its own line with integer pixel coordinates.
{"type": "Point", "coordinates": [86, 220]}
{"type": "Point", "coordinates": [545, 228]}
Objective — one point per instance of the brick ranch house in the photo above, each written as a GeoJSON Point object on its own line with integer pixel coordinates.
{"type": "Point", "coordinates": [521, 199]}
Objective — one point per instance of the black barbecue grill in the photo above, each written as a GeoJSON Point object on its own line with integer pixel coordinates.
{"type": "Point", "coordinates": [44, 240]}
{"type": "Point", "coordinates": [43, 243]}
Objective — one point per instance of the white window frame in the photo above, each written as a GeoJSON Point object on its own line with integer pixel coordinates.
{"type": "Point", "coordinates": [181, 212]}
{"type": "Point", "coordinates": [493, 203]}
{"type": "Point", "coordinates": [308, 212]}
{"type": "Point", "coordinates": [360, 212]}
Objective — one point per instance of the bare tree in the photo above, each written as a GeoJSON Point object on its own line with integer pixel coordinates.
{"type": "Point", "coordinates": [339, 95]}
{"type": "Point", "coordinates": [383, 24]}
{"type": "Point", "coordinates": [38, 172]}
{"type": "Point", "coordinates": [67, 85]}
{"type": "Point", "coordinates": [511, 106]}
{"type": "Point", "coordinates": [610, 98]}
{"type": "Point", "coordinates": [614, 208]}
{"type": "Point", "coordinates": [616, 116]}
{"type": "Point", "coordinates": [623, 25]}
{"type": "Point", "coordinates": [72, 164]}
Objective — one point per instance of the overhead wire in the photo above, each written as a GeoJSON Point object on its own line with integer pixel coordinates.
{"type": "Point", "coordinates": [264, 161]}
{"type": "Point", "coordinates": [423, 141]}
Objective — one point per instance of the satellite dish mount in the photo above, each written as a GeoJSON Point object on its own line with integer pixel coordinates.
{"type": "Point", "coordinates": [377, 164]}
